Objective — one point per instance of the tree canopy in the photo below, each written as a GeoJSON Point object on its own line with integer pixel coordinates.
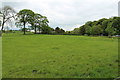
{"type": "Point", "coordinates": [106, 27]}
{"type": "Point", "coordinates": [38, 22]}
{"type": "Point", "coordinates": [24, 16]}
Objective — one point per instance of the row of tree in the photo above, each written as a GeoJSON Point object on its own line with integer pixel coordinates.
{"type": "Point", "coordinates": [25, 18]}
{"type": "Point", "coordinates": [38, 22]}
{"type": "Point", "coordinates": [105, 27]}
{"type": "Point", "coordinates": [35, 20]}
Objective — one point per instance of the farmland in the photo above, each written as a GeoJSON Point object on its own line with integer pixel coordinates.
{"type": "Point", "coordinates": [0, 57]}
{"type": "Point", "coordinates": [59, 56]}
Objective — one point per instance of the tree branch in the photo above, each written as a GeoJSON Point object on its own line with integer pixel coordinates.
{"type": "Point", "coordinates": [8, 18]}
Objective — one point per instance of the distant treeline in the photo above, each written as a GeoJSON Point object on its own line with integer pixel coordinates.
{"type": "Point", "coordinates": [39, 23]}
{"type": "Point", "coordinates": [45, 30]}
{"type": "Point", "coordinates": [104, 27]}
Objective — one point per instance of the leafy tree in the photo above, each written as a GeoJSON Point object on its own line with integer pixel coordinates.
{"type": "Point", "coordinates": [88, 30]}
{"type": "Point", "coordinates": [44, 23]}
{"type": "Point", "coordinates": [62, 31]}
{"type": "Point", "coordinates": [110, 30]}
{"type": "Point", "coordinates": [116, 24]}
{"type": "Point", "coordinates": [96, 30]}
{"type": "Point", "coordinates": [89, 23]}
{"type": "Point", "coordinates": [87, 27]}
{"type": "Point", "coordinates": [59, 30]}
{"type": "Point", "coordinates": [35, 21]}
{"type": "Point", "coordinates": [76, 31]}
{"type": "Point", "coordinates": [82, 30]}
{"type": "Point", "coordinates": [7, 13]}
{"type": "Point", "coordinates": [68, 32]}
{"type": "Point", "coordinates": [46, 29]}
{"type": "Point", "coordinates": [24, 16]}
{"type": "Point", "coordinates": [103, 26]}
{"type": "Point", "coordinates": [99, 22]}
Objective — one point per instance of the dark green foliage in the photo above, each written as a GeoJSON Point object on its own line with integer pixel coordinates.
{"type": "Point", "coordinates": [88, 30]}
{"type": "Point", "coordinates": [68, 32]}
{"type": "Point", "coordinates": [110, 30]}
{"type": "Point", "coordinates": [24, 29]}
{"type": "Point", "coordinates": [59, 30]}
{"type": "Point", "coordinates": [0, 33]}
{"type": "Point", "coordinates": [37, 21]}
{"type": "Point", "coordinates": [103, 26]}
{"type": "Point", "coordinates": [24, 16]}
{"type": "Point", "coordinates": [116, 24]}
{"type": "Point", "coordinates": [82, 30]}
{"type": "Point", "coordinates": [76, 31]}
{"type": "Point", "coordinates": [96, 30]}
{"type": "Point", "coordinates": [0, 22]}
{"type": "Point", "coordinates": [46, 29]}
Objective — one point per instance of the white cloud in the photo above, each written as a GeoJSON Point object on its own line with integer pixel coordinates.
{"type": "Point", "coordinates": [69, 13]}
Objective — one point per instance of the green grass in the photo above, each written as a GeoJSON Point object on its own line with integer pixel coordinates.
{"type": "Point", "coordinates": [59, 56]}
{"type": "Point", "coordinates": [0, 57]}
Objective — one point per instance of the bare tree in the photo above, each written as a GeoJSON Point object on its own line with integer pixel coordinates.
{"type": "Point", "coordinates": [6, 15]}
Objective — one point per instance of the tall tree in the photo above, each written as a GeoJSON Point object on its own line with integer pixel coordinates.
{"type": "Point", "coordinates": [35, 21]}
{"type": "Point", "coordinates": [44, 25]}
{"type": "Point", "coordinates": [44, 20]}
{"type": "Point", "coordinates": [24, 16]}
{"type": "Point", "coordinates": [6, 14]}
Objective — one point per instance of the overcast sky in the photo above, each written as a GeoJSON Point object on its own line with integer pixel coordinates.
{"type": "Point", "coordinates": [68, 14]}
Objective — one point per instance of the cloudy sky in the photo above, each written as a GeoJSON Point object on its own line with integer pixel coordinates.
{"type": "Point", "coordinates": [68, 14]}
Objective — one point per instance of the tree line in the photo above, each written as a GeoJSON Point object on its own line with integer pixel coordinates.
{"type": "Point", "coordinates": [104, 27]}
{"type": "Point", "coordinates": [27, 20]}
{"type": "Point", "coordinates": [38, 22]}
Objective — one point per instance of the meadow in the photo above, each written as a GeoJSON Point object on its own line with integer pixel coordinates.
{"type": "Point", "coordinates": [59, 56]}
{"type": "Point", "coordinates": [0, 57]}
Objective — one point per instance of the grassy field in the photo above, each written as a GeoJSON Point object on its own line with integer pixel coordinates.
{"type": "Point", "coordinates": [0, 57]}
{"type": "Point", "coordinates": [59, 56]}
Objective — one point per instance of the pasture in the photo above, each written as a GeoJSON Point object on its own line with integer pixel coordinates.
{"type": "Point", "coordinates": [0, 57]}
{"type": "Point", "coordinates": [59, 56]}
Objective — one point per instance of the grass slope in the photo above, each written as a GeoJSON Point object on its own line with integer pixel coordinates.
{"type": "Point", "coordinates": [59, 56]}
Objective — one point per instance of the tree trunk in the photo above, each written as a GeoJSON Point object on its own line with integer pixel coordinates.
{"type": "Point", "coordinates": [35, 29]}
{"type": "Point", "coordinates": [39, 30]}
{"type": "Point", "coordinates": [2, 26]}
{"type": "Point", "coordinates": [24, 28]}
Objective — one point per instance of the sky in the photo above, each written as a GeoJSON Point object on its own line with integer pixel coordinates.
{"type": "Point", "coordinates": [68, 14]}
